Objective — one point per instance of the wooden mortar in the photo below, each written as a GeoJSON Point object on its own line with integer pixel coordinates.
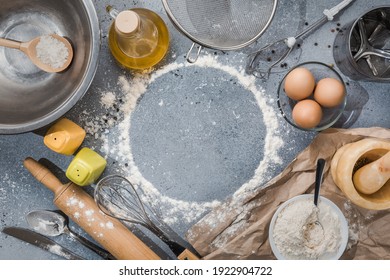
{"type": "Point", "coordinates": [348, 159]}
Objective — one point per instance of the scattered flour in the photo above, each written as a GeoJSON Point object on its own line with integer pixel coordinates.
{"type": "Point", "coordinates": [72, 201]}
{"type": "Point", "coordinates": [44, 226]}
{"type": "Point", "coordinates": [58, 250]}
{"type": "Point", "coordinates": [118, 147]}
{"type": "Point", "coordinates": [89, 212]}
{"type": "Point", "coordinates": [88, 217]}
{"type": "Point", "coordinates": [77, 215]}
{"type": "Point", "coordinates": [354, 224]}
{"type": "Point", "coordinates": [3, 193]}
{"type": "Point", "coordinates": [108, 99]}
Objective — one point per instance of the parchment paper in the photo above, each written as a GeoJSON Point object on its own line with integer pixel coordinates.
{"type": "Point", "coordinates": [238, 229]}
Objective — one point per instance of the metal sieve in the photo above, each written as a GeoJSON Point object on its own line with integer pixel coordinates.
{"type": "Point", "coordinates": [220, 24]}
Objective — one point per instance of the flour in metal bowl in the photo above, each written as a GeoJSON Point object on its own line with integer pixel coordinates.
{"type": "Point", "coordinates": [51, 51]}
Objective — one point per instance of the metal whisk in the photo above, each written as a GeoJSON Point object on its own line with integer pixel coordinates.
{"type": "Point", "coordinates": [117, 197]}
{"type": "Point", "coordinates": [261, 63]}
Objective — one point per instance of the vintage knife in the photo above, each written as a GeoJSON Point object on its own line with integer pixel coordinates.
{"type": "Point", "coordinates": [40, 241]}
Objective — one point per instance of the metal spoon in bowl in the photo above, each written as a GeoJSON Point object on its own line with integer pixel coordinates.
{"type": "Point", "coordinates": [51, 223]}
{"type": "Point", "coordinates": [30, 49]}
{"type": "Point", "coordinates": [313, 231]}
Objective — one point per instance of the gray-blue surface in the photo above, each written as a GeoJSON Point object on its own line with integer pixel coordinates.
{"type": "Point", "coordinates": [196, 134]}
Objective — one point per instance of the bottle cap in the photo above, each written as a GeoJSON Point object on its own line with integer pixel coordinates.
{"type": "Point", "coordinates": [127, 22]}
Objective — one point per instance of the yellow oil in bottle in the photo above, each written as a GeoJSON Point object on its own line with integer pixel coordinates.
{"type": "Point", "coordinates": [148, 54]}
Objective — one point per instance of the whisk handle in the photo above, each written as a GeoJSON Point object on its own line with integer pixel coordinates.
{"type": "Point", "coordinates": [187, 255]}
{"type": "Point", "coordinates": [330, 13]}
{"type": "Point", "coordinates": [180, 251]}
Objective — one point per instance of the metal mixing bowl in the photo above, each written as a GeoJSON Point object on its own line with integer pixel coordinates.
{"type": "Point", "coordinates": [30, 98]}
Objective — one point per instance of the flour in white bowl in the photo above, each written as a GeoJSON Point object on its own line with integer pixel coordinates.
{"type": "Point", "coordinates": [288, 232]}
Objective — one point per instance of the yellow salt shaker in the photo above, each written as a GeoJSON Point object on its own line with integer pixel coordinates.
{"type": "Point", "coordinates": [86, 167]}
{"type": "Point", "coordinates": [64, 137]}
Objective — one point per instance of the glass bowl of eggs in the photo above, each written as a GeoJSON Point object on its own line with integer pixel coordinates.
{"type": "Point", "coordinates": [312, 96]}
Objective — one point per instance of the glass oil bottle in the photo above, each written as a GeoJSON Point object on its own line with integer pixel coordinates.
{"type": "Point", "coordinates": [138, 38]}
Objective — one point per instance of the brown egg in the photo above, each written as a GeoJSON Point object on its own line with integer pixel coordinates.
{"type": "Point", "coordinates": [299, 84]}
{"type": "Point", "coordinates": [307, 113]}
{"type": "Point", "coordinates": [329, 92]}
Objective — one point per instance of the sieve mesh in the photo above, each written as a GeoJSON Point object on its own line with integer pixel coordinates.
{"type": "Point", "coordinates": [221, 24]}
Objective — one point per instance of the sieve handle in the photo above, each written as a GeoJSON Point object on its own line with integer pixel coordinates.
{"type": "Point", "coordinates": [330, 13]}
{"type": "Point", "coordinates": [191, 59]}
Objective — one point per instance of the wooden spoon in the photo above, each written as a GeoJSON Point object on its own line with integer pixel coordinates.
{"type": "Point", "coordinates": [30, 49]}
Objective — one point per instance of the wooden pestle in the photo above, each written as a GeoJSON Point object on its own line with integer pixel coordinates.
{"type": "Point", "coordinates": [371, 177]}
{"type": "Point", "coordinates": [82, 209]}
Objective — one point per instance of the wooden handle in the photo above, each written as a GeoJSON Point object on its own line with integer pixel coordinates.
{"type": "Point", "coordinates": [10, 43]}
{"type": "Point", "coordinates": [43, 175]}
{"type": "Point", "coordinates": [187, 255]}
{"type": "Point", "coordinates": [82, 209]}
{"type": "Point", "coordinates": [371, 177]}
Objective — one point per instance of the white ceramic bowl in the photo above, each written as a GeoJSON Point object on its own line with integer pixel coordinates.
{"type": "Point", "coordinates": [343, 227]}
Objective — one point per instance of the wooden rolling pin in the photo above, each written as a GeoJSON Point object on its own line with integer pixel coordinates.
{"type": "Point", "coordinates": [371, 177]}
{"type": "Point", "coordinates": [82, 209]}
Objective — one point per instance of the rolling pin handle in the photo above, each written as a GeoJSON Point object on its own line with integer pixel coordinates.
{"type": "Point", "coordinates": [42, 174]}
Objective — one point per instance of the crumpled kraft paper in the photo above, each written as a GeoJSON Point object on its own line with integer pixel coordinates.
{"type": "Point", "coordinates": [238, 228]}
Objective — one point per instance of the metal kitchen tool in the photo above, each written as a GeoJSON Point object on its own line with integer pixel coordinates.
{"type": "Point", "coordinates": [363, 51]}
{"type": "Point", "coordinates": [318, 181]}
{"type": "Point", "coordinates": [81, 207]}
{"type": "Point", "coordinates": [220, 24]}
{"type": "Point", "coordinates": [27, 102]}
{"type": "Point", "coordinates": [313, 229]}
{"type": "Point", "coordinates": [366, 49]}
{"type": "Point", "coordinates": [29, 48]}
{"type": "Point", "coordinates": [117, 197]}
{"type": "Point", "coordinates": [51, 223]}
{"type": "Point", "coordinates": [40, 241]}
{"type": "Point", "coordinates": [265, 59]}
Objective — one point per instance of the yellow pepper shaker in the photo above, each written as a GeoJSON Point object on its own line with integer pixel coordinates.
{"type": "Point", "coordinates": [86, 167]}
{"type": "Point", "coordinates": [64, 137]}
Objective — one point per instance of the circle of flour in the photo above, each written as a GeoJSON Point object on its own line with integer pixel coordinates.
{"type": "Point", "coordinates": [179, 210]}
